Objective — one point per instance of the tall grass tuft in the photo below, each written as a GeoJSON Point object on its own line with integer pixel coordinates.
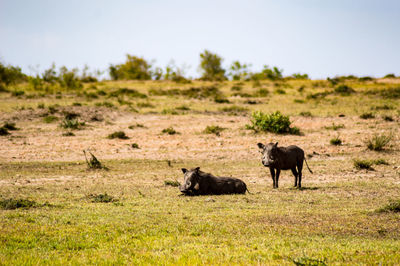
{"type": "Point", "coordinates": [378, 142]}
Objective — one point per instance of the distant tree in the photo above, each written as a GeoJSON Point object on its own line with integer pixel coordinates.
{"type": "Point", "coordinates": [69, 78]}
{"type": "Point", "coordinates": [239, 71]}
{"type": "Point", "coordinates": [299, 76]}
{"type": "Point", "coordinates": [175, 73]}
{"type": "Point", "coordinates": [210, 65]}
{"type": "Point", "coordinates": [268, 73]}
{"type": "Point", "coordinates": [11, 75]}
{"type": "Point", "coordinates": [135, 68]}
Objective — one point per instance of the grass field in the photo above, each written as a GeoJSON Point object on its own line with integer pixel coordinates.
{"type": "Point", "coordinates": [133, 214]}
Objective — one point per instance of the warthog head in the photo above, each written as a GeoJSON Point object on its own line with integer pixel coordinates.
{"type": "Point", "coordinates": [269, 153]}
{"type": "Point", "coordinates": [191, 180]}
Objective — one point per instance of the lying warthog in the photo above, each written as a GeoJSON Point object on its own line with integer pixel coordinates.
{"type": "Point", "coordinates": [197, 182]}
{"type": "Point", "coordinates": [283, 158]}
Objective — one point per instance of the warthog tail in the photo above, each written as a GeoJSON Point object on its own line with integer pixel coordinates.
{"type": "Point", "coordinates": [307, 165]}
{"type": "Point", "coordinates": [248, 191]}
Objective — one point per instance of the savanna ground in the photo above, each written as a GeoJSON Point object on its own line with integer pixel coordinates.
{"type": "Point", "coordinates": [332, 220]}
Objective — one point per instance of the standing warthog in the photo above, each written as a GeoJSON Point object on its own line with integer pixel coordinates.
{"type": "Point", "coordinates": [199, 183]}
{"type": "Point", "coordinates": [283, 158]}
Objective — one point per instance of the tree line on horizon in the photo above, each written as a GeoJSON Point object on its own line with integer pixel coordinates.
{"type": "Point", "coordinates": [138, 68]}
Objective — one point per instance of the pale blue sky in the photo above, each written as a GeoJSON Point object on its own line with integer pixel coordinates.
{"type": "Point", "coordinates": [319, 37]}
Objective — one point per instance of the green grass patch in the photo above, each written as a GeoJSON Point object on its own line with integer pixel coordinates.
{"type": "Point", "coordinates": [393, 206]}
{"type": "Point", "coordinates": [172, 183]}
{"type": "Point", "coordinates": [379, 142]}
{"type": "Point", "coordinates": [213, 130]}
{"type": "Point", "coordinates": [169, 131]}
{"type": "Point", "coordinates": [118, 135]}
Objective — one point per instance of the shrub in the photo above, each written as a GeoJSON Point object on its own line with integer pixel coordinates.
{"type": "Point", "coordinates": [213, 130]}
{"type": "Point", "coordinates": [318, 95]}
{"type": "Point", "coordinates": [11, 75]}
{"type": "Point", "coordinates": [211, 66]}
{"type": "Point", "coordinates": [72, 124]}
{"type": "Point", "coordinates": [298, 101]}
{"type": "Point", "coordinates": [261, 93]}
{"type": "Point", "coordinates": [102, 198]}
{"type": "Point", "coordinates": [128, 92]}
{"type": "Point", "coordinates": [17, 93]}
{"type": "Point", "coordinates": [382, 107]}
{"type": "Point", "coordinates": [10, 126]}
{"type": "Point", "coordinates": [280, 91]}
{"type": "Point", "coordinates": [367, 116]}
{"type": "Point", "coordinates": [378, 142]}
{"type": "Point", "coordinates": [135, 68]}
{"type": "Point", "coordinates": [306, 114]}
{"type": "Point", "coordinates": [388, 76]}
{"type": "Point", "coordinates": [118, 135]}
{"type": "Point", "coordinates": [336, 141]}
{"type": "Point", "coordinates": [234, 110]}
{"type": "Point", "coordinates": [68, 134]}
{"type": "Point", "coordinates": [12, 204]}
{"type": "Point", "coordinates": [136, 125]}
{"type": "Point", "coordinates": [182, 108]}
{"type": "Point", "coordinates": [202, 92]}
{"type": "Point", "coordinates": [393, 206]}
{"type": "Point", "coordinates": [389, 93]}
{"type": "Point", "coordinates": [363, 164]}
{"type": "Point", "coordinates": [169, 112]}
{"type": "Point", "coordinates": [380, 161]}
{"type": "Point", "coordinates": [273, 122]}
{"type": "Point", "coordinates": [344, 90]}
{"type": "Point", "coordinates": [105, 104]}
{"type": "Point", "coordinates": [268, 73]}
{"type": "Point", "coordinates": [388, 118]}
{"type": "Point", "coordinates": [4, 131]}
{"type": "Point", "coordinates": [169, 131]}
{"type": "Point", "coordinates": [171, 183]}
{"type": "Point", "coordinates": [145, 105]}
{"type": "Point", "coordinates": [299, 76]}
{"type": "Point", "coordinates": [306, 261]}
{"type": "Point", "coordinates": [236, 88]}
{"type": "Point", "coordinates": [69, 79]}
{"type": "Point", "coordinates": [50, 119]}
{"type": "Point", "coordinates": [220, 99]}
{"type": "Point", "coordinates": [334, 126]}
{"type": "Point", "coordinates": [135, 146]}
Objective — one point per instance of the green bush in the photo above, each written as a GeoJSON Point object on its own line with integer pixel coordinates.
{"type": "Point", "coordinates": [363, 164]}
{"type": "Point", "coordinates": [268, 73]}
{"type": "Point", "coordinates": [280, 91]}
{"type": "Point", "coordinates": [239, 71]}
{"type": "Point", "coordinates": [135, 68]}
{"type": "Point", "coordinates": [261, 93]}
{"type": "Point", "coordinates": [118, 135]}
{"type": "Point", "coordinates": [367, 116]}
{"type": "Point", "coordinates": [12, 204]}
{"type": "Point", "coordinates": [171, 183]}
{"type": "Point", "coordinates": [71, 124]}
{"type": "Point", "coordinates": [306, 114]}
{"type": "Point", "coordinates": [135, 146]}
{"type": "Point", "coordinates": [169, 131]}
{"type": "Point", "coordinates": [11, 75]}
{"type": "Point", "coordinates": [344, 90]}
{"type": "Point", "coordinates": [128, 92]}
{"type": "Point", "coordinates": [336, 141]}
{"type": "Point", "coordinates": [273, 122]}
{"type": "Point", "coordinates": [234, 110]}
{"type": "Point", "coordinates": [211, 67]}
{"type": "Point", "coordinates": [213, 130]}
{"type": "Point", "coordinates": [69, 78]}
{"type": "Point", "coordinates": [393, 206]}
{"type": "Point", "coordinates": [378, 142]}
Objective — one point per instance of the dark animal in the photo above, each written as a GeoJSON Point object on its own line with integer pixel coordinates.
{"type": "Point", "coordinates": [197, 182]}
{"type": "Point", "coordinates": [283, 158]}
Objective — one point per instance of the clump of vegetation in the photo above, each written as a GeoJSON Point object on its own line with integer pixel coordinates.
{"type": "Point", "coordinates": [220, 99]}
{"type": "Point", "coordinates": [344, 90]}
{"type": "Point", "coordinates": [72, 124]}
{"type": "Point", "coordinates": [136, 125]}
{"type": "Point", "coordinates": [183, 108]}
{"type": "Point", "coordinates": [213, 130]}
{"type": "Point", "coordinates": [169, 111]}
{"type": "Point", "coordinates": [261, 93]}
{"type": "Point", "coordinates": [12, 204]}
{"type": "Point", "coordinates": [68, 134]}
{"type": "Point", "coordinates": [169, 131]}
{"type": "Point", "coordinates": [363, 164]}
{"type": "Point", "coordinates": [280, 91]}
{"type": "Point", "coordinates": [145, 105]}
{"type": "Point", "coordinates": [378, 142]}
{"type": "Point", "coordinates": [50, 119]}
{"type": "Point", "coordinates": [93, 162]}
{"type": "Point", "coordinates": [382, 107]}
{"type": "Point", "coordinates": [102, 198]}
{"type": "Point", "coordinates": [336, 141]}
{"type": "Point", "coordinates": [10, 126]}
{"type": "Point", "coordinates": [380, 162]}
{"type": "Point", "coordinates": [17, 93]}
{"type": "Point", "coordinates": [135, 68]}
{"type": "Point", "coordinates": [334, 126]}
{"type": "Point", "coordinates": [171, 183]}
{"type": "Point", "coordinates": [388, 93]}
{"type": "Point", "coordinates": [105, 104]}
{"type": "Point", "coordinates": [234, 110]}
{"type": "Point", "coordinates": [128, 92]}
{"type": "Point", "coordinates": [306, 261]}
{"type": "Point", "coordinates": [236, 88]}
{"type": "Point", "coordinates": [118, 135]}
{"type": "Point", "coordinates": [298, 101]}
{"type": "Point", "coordinates": [4, 131]}
{"type": "Point", "coordinates": [211, 66]}
{"type": "Point", "coordinates": [135, 146]}
{"type": "Point", "coordinates": [367, 116]}
{"type": "Point", "coordinates": [393, 206]}
{"type": "Point", "coordinates": [388, 118]}
{"type": "Point", "coordinates": [268, 73]}
{"type": "Point", "coordinates": [274, 122]}
{"type": "Point", "coordinates": [318, 95]}
{"type": "Point", "coordinates": [306, 114]}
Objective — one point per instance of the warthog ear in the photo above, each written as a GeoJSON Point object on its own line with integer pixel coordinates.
{"type": "Point", "coordinates": [184, 170]}
{"type": "Point", "coordinates": [276, 144]}
{"type": "Point", "coordinates": [197, 169]}
{"type": "Point", "coordinates": [260, 145]}
{"type": "Point", "coordinates": [196, 187]}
